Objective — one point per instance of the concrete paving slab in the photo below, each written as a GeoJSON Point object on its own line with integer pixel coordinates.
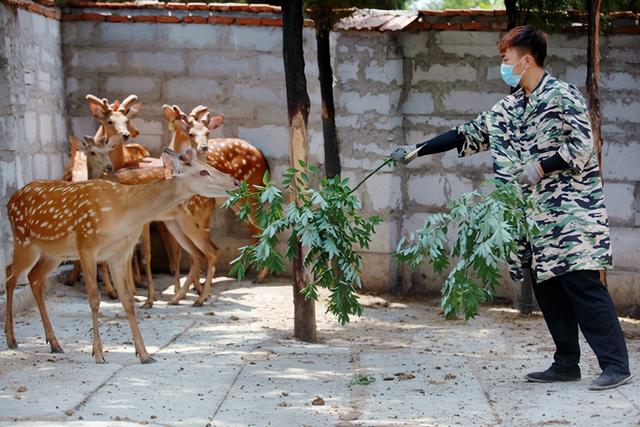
{"type": "Point", "coordinates": [234, 362]}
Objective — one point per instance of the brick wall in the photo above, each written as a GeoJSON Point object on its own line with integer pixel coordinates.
{"type": "Point", "coordinates": [391, 88]}
{"type": "Point", "coordinates": [32, 126]}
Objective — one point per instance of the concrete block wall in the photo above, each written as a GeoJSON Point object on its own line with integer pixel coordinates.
{"type": "Point", "coordinates": [390, 88]}
{"type": "Point", "coordinates": [32, 123]}
{"type": "Point", "coordinates": [235, 70]}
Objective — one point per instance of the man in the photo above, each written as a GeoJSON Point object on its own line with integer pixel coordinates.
{"type": "Point", "coordinates": [541, 137]}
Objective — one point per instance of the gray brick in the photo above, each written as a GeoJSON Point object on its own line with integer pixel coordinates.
{"type": "Point", "coordinates": [272, 140]}
{"type": "Point", "coordinates": [436, 190]}
{"type": "Point", "coordinates": [445, 73]}
{"type": "Point", "coordinates": [418, 103]}
{"type": "Point", "coordinates": [186, 89]}
{"type": "Point", "coordinates": [619, 200]}
{"type": "Point", "coordinates": [127, 35]}
{"type": "Point", "coordinates": [470, 102]}
{"type": "Point", "coordinates": [626, 250]}
{"type": "Point", "coordinates": [192, 36]}
{"type": "Point", "coordinates": [261, 39]}
{"type": "Point", "coordinates": [121, 86]}
{"type": "Point", "coordinates": [156, 62]}
{"type": "Point", "coordinates": [210, 64]}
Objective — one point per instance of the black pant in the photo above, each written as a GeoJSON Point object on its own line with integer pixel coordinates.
{"type": "Point", "coordinates": [580, 299]}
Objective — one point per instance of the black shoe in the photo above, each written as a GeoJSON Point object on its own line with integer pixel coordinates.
{"type": "Point", "coordinates": [552, 375]}
{"type": "Point", "coordinates": [609, 380]}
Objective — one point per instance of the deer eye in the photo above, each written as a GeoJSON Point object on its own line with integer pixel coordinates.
{"type": "Point", "coordinates": [110, 122]}
{"type": "Point", "coordinates": [204, 173]}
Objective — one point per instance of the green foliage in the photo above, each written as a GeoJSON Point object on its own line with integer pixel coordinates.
{"type": "Point", "coordinates": [489, 228]}
{"type": "Point", "coordinates": [326, 221]}
{"type": "Point", "coordinates": [362, 380]}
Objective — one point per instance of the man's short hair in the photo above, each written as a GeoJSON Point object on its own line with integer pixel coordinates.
{"type": "Point", "coordinates": [527, 39]}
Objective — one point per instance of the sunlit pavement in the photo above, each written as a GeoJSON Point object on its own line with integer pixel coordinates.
{"type": "Point", "coordinates": [234, 362]}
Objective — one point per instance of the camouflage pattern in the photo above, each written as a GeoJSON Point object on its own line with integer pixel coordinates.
{"type": "Point", "coordinates": [572, 214]}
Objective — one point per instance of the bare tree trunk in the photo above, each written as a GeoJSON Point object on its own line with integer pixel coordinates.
{"type": "Point", "coordinates": [593, 87]}
{"type": "Point", "coordinates": [331, 147]}
{"type": "Point", "coordinates": [593, 76]}
{"type": "Point", "coordinates": [298, 105]}
{"type": "Point", "coordinates": [512, 13]}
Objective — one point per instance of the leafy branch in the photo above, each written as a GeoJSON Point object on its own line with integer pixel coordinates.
{"type": "Point", "coordinates": [489, 229]}
{"type": "Point", "coordinates": [326, 221]}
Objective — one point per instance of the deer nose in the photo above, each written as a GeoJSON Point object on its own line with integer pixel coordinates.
{"type": "Point", "coordinates": [108, 168]}
{"type": "Point", "coordinates": [236, 182]}
{"type": "Point", "coordinates": [126, 136]}
{"type": "Point", "coordinates": [204, 148]}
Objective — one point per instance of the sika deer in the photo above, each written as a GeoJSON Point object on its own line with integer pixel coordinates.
{"type": "Point", "coordinates": [95, 220]}
{"type": "Point", "coordinates": [234, 156]}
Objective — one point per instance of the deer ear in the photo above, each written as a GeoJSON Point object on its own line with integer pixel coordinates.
{"type": "Point", "coordinates": [168, 112]}
{"type": "Point", "coordinates": [187, 156]}
{"type": "Point", "coordinates": [182, 125]}
{"type": "Point", "coordinates": [97, 110]}
{"type": "Point", "coordinates": [133, 110]}
{"type": "Point", "coordinates": [74, 140]}
{"type": "Point", "coordinates": [215, 121]}
{"type": "Point", "coordinates": [172, 164]}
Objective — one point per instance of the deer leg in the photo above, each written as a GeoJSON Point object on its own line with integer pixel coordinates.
{"type": "Point", "coordinates": [104, 269]}
{"type": "Point", "coordinates": [118, 270]}
{"type": "Point", "coordinates": [37, 279]}
{"type": "Point", "coordinates": [93, 294]}
{"type": "Point", "coordinates": [135, 268]}
{"type": "Point", "coordinates": [176, 273]}
{"type": "Point", "coordinates": [197, 258]}
{"type": "Point", "coordinates": [201, 238]}
{"type": "Point", "coordinates": [74, 274]}
{"type": "Point", "coordinates": [23, 259]}
{"type": "Point", "coordinates": [130, 279]}
{"type": "Point", "coordinates": [255, 230]}
{"type": "Point", "coordinates": [146, 251]}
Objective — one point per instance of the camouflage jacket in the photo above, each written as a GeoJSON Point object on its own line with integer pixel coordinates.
{"type": "Point", "coordinates": [572, 214]}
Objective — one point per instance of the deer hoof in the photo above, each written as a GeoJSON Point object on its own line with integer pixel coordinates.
{"type": "Point", "coordinates": [174, 302]}
{"type": "Point", "coordinates": [100, 360]}
{"type": "Point", "coordinates": [198, 303]}
{"type": "Point", "coordinates": [147, 304]}
{"type": "Point", "coordinates": [56, 348]}
{"type": "Point", "coordinates": [148, 359]}
{"type": "Point", "coordinates": [112, 295]}
{"type": "Point", "coordinates": [12, 343]}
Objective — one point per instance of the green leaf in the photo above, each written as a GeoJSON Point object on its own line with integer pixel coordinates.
{"type": "Point", "coordinates": [362, 380]}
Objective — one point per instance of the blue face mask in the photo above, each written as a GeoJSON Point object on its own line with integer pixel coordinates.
{"type": "Point", "coordinates": [506, 71]}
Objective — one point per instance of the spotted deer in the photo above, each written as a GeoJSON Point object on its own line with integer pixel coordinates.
{"type": "Point", "coordinates": [234, 156]}
{"type": "Point", "coordinates": [90, 160]}
{"type": "Point", "coordinates": [115, 128]}
{"type": "Point", "coordinates": [183, 225]}
{"type": "Point", "coordinates": [95, 220]}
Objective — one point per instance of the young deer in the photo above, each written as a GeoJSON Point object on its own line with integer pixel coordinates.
{"type": "Point", "coordinates": [94, 163]}
{"type": "Point", "coordinates": [95, 220]}
{"type": "Point", "coordinates": [234, 156]}
{"type": "Point", "coordinates": [181, 223]}
{"type": "Point", "coordinates": [115, 128]}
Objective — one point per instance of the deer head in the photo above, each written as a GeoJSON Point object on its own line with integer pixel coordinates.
{"type": "Point", "coordinates": [199, 177]}
{"type": "Point", "coordinates": [115, 118]}
{"type": "Point", "coordinates": [97, 152]}
{"type": "Point", "coordinates": [196, 126]}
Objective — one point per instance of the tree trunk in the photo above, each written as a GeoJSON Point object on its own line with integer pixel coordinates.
{"type": "Point", "coordinates": [512, 13]}
{"type": "Point", "coordinates": [593, 87]}
{"type": "Point", "coordinates": [331, 148]}
{"type": "Point", "coordinates": [593, 76]}
{"type": "Point", "coordinates": [298, 108]}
